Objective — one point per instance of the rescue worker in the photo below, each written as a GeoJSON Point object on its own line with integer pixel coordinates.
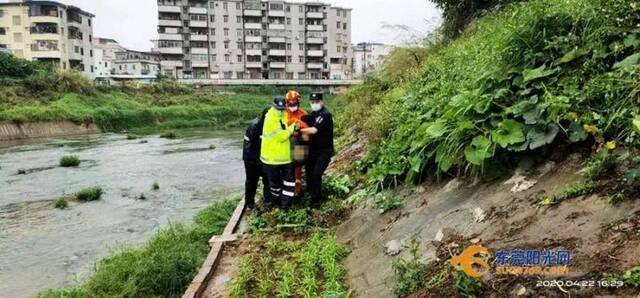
{"type": "Point", "coordinates": [300, 146]}
{"type": "Point", "coordinates": [321, 147]}
{"type": "Point", "coordinates": [253, 167]}
{"type": "Point", "coordinates": [275, 153]}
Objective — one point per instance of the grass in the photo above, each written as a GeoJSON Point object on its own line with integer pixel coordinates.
{"type": "Point", "coordinates": [169, 135]}
{"type": "Point", "coordinates": [89, 194]}
{"type": "Point", "coordinates": [410, 273]}
{"type": "Point", "coordinates": [61, 203]}
{"type": "Point", "coordinates": [520, 81]}
{"type": "Point", "coordinates": [162, 267]}
{"type": "Point", "coordinates": [632, 277]}
{"type": "Point", "coordinates": [69, 161]}
{"type": "Point", "coordinates": [155, 185]}
{"type": "Point", "coordinates": [385, 202]}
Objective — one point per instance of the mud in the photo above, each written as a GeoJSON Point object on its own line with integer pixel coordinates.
{"type": "Point", "coordinates": [514, 220]}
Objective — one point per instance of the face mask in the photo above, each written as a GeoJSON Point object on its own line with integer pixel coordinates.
{"type": "Point", "coordinates": [293, 109]}
{"type": "Point", "coordinates": [316, 107]}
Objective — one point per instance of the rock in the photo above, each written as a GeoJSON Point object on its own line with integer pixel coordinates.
{"type": "Point", "coordinates": [393, 247]}
{"type": "Point", "coordinates": [474, 241]}
{"type": "Point", "coordinates": [439, 236]}
{"type": "Point", "coordinates": [444, 233]}
{"type": "Point", "coordinates": [520, 183]}
{"type": "Point", "coordinates": [479, 215]}
{"type": "Point", "coordinates": [522, 291]}
{"type": "Point", "coordinates": [452, 185]}
{"type": "Point", "coordinates": [546, 168]}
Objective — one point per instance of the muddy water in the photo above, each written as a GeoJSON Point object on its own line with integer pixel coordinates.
{"type": "Point", "coordinates": [43, 247]}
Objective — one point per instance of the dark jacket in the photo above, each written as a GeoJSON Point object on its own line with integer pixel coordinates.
{"type": "Point", "coordinates": [253, 141]}
{"type": "Point", "coordinates": [323, 140]}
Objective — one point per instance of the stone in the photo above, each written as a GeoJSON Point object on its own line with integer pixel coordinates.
{"type": "Point", "coordinates": [520, 183]}
{"type": "Point", "coordinates": [479, 215]}
{"type": "Point", "coordinates": [393, 247]}
{"type": "Point", "coordinates": [452, 185]}
{"type": "Point", "coordinates": [522, 291]}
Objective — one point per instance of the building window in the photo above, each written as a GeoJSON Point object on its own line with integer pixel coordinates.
{"type": "Point", "coordinates": [213, 44]}
{"type": "Point", "coordinates": [238, 6]}
{"type": "Point", "coordinates": [17, 21]}
{"type": "Point", "coordinates": [288, 8]}
{"type": "Point", "coordinates": [239, 45]}
{"type": "Point", "coordinates": [339, 48]}
{"type": "Point", "coordinates": [239, 58]}
{"type": "Point", "coordinates": [213, 58]}
{"type": "Point", "coordinates": [91, 53]}
{"type": "Point", "coordinates": [344, 26]}
{"type": "Point", "coordinates": [212, 18]}
{"type": "Point", "coordinates": [17, 37]}
{"type": "Point", "coordinates": [227, 58]}
{"type": "Point", "coordinates": [225, 5]}
{"type": "Point", "coordinates": [289, 59]}
{"type": "Point", "coordinates": [1, 13]}
{"type": "Point", "coordinates": [3, 31]}
{"type": "Point", "coordinates": [239, 32]}
{"type": "Point", "coordinates": [338, 23]}
{"type": "Point", "coordinates": [300, 21]}
{"type": "Point", "coordinates": [89, 26]}
{"type": "Point", "coordinates": [226, 45]}
{"type": "Point", "coordinates": [226, 31]}
{"type": "Point", "coordinates": [301, 59]}
{"type": "Point", "coordinates": [239, 19]}
{"type": "Point", "coordinates": [301, 46]}
{"type": "Point", "coordinates": [300, 9]}
{"type": "Point", "coordinates": [289, 76]}
{"type": "Point", "coordinates": [226, 19]}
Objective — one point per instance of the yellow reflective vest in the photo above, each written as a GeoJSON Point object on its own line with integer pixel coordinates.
{"type": "Point", "coordinates": [276, 139]}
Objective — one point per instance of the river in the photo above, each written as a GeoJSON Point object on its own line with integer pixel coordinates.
{"type": "Point", "coordinates": [43, 247]}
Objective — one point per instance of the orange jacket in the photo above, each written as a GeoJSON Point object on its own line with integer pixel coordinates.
{"type": "Point", "coordinates": [296, 117]}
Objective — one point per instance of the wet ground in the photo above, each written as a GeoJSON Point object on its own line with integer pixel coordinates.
{"type": "Point", "coordinates": [43, 247]}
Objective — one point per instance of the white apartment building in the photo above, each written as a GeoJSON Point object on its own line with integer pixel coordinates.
{"type": "Point", "coordinates": [49, 31]}
{"type": "Point", "coordinates": [135, 65]}
{"type": "Point", "coordinates": [104, 52]}
{"type": "Point", "coordinates": [368, 56]}
{"type": "Point", "coordinates": [254, 39]}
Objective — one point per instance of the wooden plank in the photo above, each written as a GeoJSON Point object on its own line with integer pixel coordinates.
{"type": "Point", "coordinates": [199, 283]}
{"type": "Point", "coordinates": [223, 238]}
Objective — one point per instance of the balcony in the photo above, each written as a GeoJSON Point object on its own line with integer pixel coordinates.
{"type": "Point", "coordinates": [170, 23]}
{"type": "Point", "coordinates": [277, 53]}
{"type": "Point", "coordinates": [315, 15]}
{"type": "Point", "coordinates": [254, 52]}
{"type": "Point", "coordinates": [199, 51]}
{"type": "Point", "coordinates": [254, 64]}
{"type": "Point", "coordinates": [169, 36]}
{"type": "Point", "coordinates": [253, 26]}
{"type": "Point", "coordinates": [315, 53]}
{"type": "Point", "coordinates": [199, 37]}
{"type": "Point", "coordinates": [198, 10]}
{"type": "Point", "coordinates": [315, 40]}
{"type": "Point", "coordinates": [253, 38]}
{"type": "Point", "coordinates": [277, 39]}
{"type": "Point", "coordinates": [315, 28]}
{"type": "Point", "coordinates": [169, 9]}
{"type": "Point", "coordinates": [276, 13]}
{"type": "Point", "coordinates": [171, 63]}
{"type": "Point", "coordinates": [170, 50]}
{"type": "Point", "coordinates": [45, 28]}
{"type": "Point", "coordinates": [277, 65]}
{"type": "Point", "coordinates": [199, 63]}
{"type": "Point", "coordinates": [276, 26]}
{"type": "Point", "coordinates": [313, 65]}
{"type": "Point", "coordinates": [253, 13]}
{"type": "Point", "coordinates": [198, 24]}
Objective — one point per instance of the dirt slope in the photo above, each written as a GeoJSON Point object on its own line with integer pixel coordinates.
{"type": "Point", "coordinates": [602, 238]}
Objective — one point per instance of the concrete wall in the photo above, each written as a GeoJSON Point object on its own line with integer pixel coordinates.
{"type": "Point", "coordinates": [14, 131]}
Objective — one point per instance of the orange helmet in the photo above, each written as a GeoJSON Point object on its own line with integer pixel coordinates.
{"type": "Point", "coordinates": [293, 97]}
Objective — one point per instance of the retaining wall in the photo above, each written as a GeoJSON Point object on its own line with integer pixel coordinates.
{"type": "Point", "coordinates": [15, 131]}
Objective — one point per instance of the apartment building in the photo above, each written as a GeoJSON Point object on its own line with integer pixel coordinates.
{"type": "Point", "coordinates": [368, 56]}
{"type": "Point", "coordinates": [254, 39]}
{"type": "Point", "coordinates": [50, 32]}
{"type": "Point", "coordinates": [135, 64]}
{"type": "Point", "coordinates": [104, 52]}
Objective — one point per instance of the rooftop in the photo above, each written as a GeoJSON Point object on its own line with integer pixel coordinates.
{"type": "Point", "coordinates": [42, 2]}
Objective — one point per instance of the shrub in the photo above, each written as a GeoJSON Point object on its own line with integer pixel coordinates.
{"type": "Point", "coordinates": [14, 67]}
{"type": "Point", "coordinates": [467, 286]}
{"type": "Point", "coordinates": [169, 135]}
{"type": "Point", "coordinates": [61, 203]}
{"type": "Point", "coordinates": [632, 277]}
{"type": "Point", "coordinates": [410, 276]}
{"type": "Point", "coordinates": [89, 194]}
{"type": "Point", "coordinates": [155, 186]}
{"type": "Point", "coordinates": [72, 81]}
{"type": "Point", "coordinates": [385, 202]}
{"type": "Point", "coordinates": [69, 161]}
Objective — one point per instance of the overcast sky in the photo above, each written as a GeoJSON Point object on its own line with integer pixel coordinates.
{"type": "Point", "coordinates": [134, 22]}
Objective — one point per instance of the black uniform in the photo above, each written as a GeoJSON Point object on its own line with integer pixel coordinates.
{"type": "Point", "coordinates": [321, 149]}
{"type": "Point", "coordinates": [252, 164]}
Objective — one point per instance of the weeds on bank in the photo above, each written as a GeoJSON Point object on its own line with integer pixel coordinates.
{"type": "Point", "coordinates": [410, 273]}
{"type": "Point", "coordinates": [163, 267]}
{"type": "Point", "coordinates": [632, 277]}
{"type": "Point", "coordinates": [69, 161]}
{"type": "Point", "coordinates": [467, 286]}
{"type": "Point", "coordinates": [89, 194]}
{"type": "Point", "coordinates": [61, 203]}
{"type": "Point", "coordinates": [155, 186]}
{"type": "Point", "coordinates": [385, 202]}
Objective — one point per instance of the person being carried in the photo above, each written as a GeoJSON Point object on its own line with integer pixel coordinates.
{"type": "Point", "coordinates": [275, 153]}
{"type": "Point", "coordinates": [321, 146]}
{"type": "Point", "coordinates": [300, 146]}
{"type": "Point", "coordinates": [253, 167]}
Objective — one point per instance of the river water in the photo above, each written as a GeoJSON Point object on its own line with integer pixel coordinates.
{"type": "Point", "coordinates": [43, 247]}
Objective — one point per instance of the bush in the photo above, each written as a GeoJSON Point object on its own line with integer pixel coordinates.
{"type": "Point", "coordinates": [632, 277]}
{"type": "Point", "coordinates": [537, 74]}
{"type": "Point", "coordinates": [61, 203]}
{"type": "Point", "coordinates": [72, 81]}
{"type": "Point", "coordinates": [89, 194]}
{"type": "Point", "coordinates": [385, 202]}
{"type": "Point", "coordinates": [69, 161]}
{"type": "Point", "coordinates": [14, 67]}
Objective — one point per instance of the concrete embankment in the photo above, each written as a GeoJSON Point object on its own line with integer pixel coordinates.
{"type": "Point", "coordinates": [10, 131]}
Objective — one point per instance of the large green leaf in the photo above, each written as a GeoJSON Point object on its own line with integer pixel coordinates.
{"type": "Point", "coordinates": [628, 62]}
{"type": "Point", "coordinates": [577, 133]}
{"type": "Point", "coordinates": [479, 150]}
{"type": "Point", "coordinates": [436, 129]}
{"type": "Point", "coordinates": [537, 73]}
{"type": "Point", "coordinates": [508, 133]}
{"type": "Point", "coordinates": [541, 135]}
{"type": "Point", "coordinates": [635, 124]}
{"type": "Point", "coordinates": [570, 56]}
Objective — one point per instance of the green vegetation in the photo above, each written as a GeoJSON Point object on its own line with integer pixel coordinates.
{"type": "Point", "coordinates": [89, 194]}
{"type": "Point", "coordinates": [467, 286]}
{"type": "Point", "coordinates": [155, 185]}
{"type": "Point", "coordinates": [69, 161]}
{"type": "Point", "coordinates": [163, 267]}
{"type": "Point", "coordinates": [169, 135]}
{"type": "Point", "coordinates": [632, 277]}
{"type": "Point", "coordinates": [385, 202]}
{"type": "Point", "coordinates": [61, 204]}
{"type": "Point", "coordinates": [292, 268]}
{"type": "Point", "coordinates": [410, 276]}
{"type": "Point", "coordinates": [522, 80]}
